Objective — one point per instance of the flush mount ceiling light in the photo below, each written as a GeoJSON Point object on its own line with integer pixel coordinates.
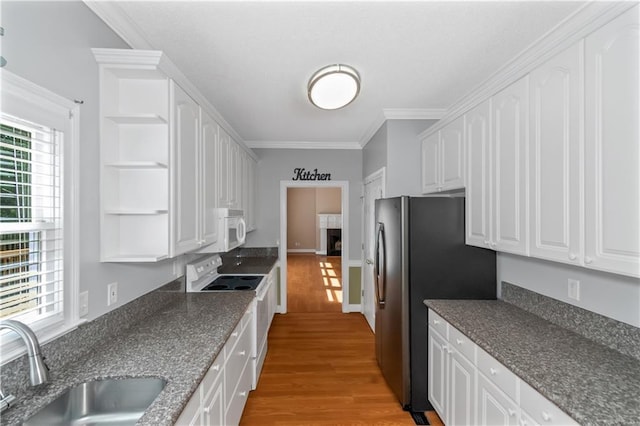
{"type": "Point", "coordinates": [334, 86]}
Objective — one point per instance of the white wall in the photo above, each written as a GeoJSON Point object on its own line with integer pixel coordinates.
{"type": "Point", "coordinates": [374, 153]}
{"type": "Point", "coordinates": [276, 165]}
{"type": "Point", "coordinates": [611, 295]}
{"type": "Point", "coordinates": [49, 44]}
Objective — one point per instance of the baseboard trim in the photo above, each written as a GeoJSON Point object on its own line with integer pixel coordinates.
{"type": "Point", "coordinates": [301, 251]}
{"type": "Point", "coordinates": [353, 308]}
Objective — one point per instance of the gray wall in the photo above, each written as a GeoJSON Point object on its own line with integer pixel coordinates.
{"type": "Point", "coordinates": [611, 295]}
{"type": "Point", "coordinates": [276, 165]}
{"type": "Point", "coordinates": [49, 44]}
{"type": "Point", "coordinates": [396, 146]}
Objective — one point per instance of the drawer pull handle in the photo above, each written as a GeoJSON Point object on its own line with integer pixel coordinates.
{"type": "Point", "coordinates": [242, 394]}
{"type": "Point", "coordinates": [546, 416]}
{"type": "Point", "coordinates": [435, 321]}
{"type": "Point", "coordinates": [523, 422]}
{"type": "Point", "coordinates": [242, 353]}
{"type": "Point", "coordinates": [459, 341]}
{"type": "Point", "coordinates": [234, 334]}
{"type": "Point", "coordinates": [493, 371]}
{"type": "Point", "coordinates": [512, 412]}
{"type": "Point", "coordinates": [588, 260]}
{"type": "Point", "coordinates": [216, 367]}
{"type": "Point", "coordinates": [572, 256]}
{"type": "Point", "coordinates": [207, 410]}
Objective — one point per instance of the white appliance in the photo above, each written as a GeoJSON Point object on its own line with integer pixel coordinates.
{"type": "Point", "coordinates": [232, 231]}
{"type": "Point", "coordinates": [202, 276]}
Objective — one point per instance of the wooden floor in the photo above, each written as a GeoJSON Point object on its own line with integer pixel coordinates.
{"type": "Point", "coordinates": [320, 367]}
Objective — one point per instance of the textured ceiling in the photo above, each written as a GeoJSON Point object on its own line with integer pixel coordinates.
{"type": "Point", "coordinates": [252, 60]}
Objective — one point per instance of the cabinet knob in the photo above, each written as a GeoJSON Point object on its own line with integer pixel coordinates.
{"type": "Point", "coordinates": [459, 341]}
{"type": "Point", "coordinates": [588, 260]}
{"type": "Point", "coordinates": [207, 410]}
{"type": "Point", "coordinates": [493, 371]}
{"type": "Point", "coordinates": [546, 416]}
{"type": "Point", "coordinates": [573, 256]}
{"type": "Point", "coordinates": [242, 353]}
{"type": "Point", "coordinates": [523, 422]}
{"type": "Point", "coordinates": [494, 245]}
{"type": "Point", "coordinates": [486, 242]}
{"type": "Point", "coordinates": [216, 367]}
{"type": "Point", "coordinates": [242, 394]}
{"type": "Point", "coordinates": [234, 334]}
{"type": "Point", "coordinates": [512, 412]}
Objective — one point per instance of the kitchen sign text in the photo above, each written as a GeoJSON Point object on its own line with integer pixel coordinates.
{"type": "Point", "coordinates": [300, 173]}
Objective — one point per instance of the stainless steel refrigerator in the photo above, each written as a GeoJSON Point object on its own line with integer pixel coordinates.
{"type": "Point", "coordinates": [420, 254]}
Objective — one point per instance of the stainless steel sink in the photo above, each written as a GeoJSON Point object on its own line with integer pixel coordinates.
{"type": "Point", "coordinates": [102, 402]}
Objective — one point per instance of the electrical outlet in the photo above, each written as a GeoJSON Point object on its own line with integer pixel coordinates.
{"type": "Point", "coordinates": [112, 293]}
{"type": "Point", "coordinates": [574, 289]}
{"type": "Point", "coordinates": [84, 303]}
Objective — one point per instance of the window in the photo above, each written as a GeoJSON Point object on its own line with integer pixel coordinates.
{"type": "Point", "coordinates": [31, 234]}
{"type": "Point", "coordinates": [38, 213]}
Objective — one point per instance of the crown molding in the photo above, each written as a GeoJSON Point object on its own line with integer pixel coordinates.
{"type": "Point", "coordinates": [400, 114]}
{"type": "Point", "coordinates": [113, 15]}
{"type": "Point", "coordinates": [573, 28]}
{"type": "Point", "coordinates": [302, 145]}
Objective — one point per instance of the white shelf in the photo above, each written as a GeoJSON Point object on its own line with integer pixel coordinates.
{"type": "Point", "coordinates": [135, 258]}
{"type": "Point", "coordinates": [137, 119]}
{"type": "Point", "coordinates": [150, 212]}
{"type": "Point", "coordinates": [137, 165]}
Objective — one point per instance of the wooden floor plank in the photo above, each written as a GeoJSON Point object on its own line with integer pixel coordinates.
{"type": "Point", "coordinates": [320, 367]}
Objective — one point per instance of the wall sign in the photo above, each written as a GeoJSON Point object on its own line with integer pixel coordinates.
{"type": "Point", "coordinates": [300, 173]}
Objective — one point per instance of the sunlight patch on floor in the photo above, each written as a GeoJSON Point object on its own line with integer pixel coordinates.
{"type": "Point", "coordinates": [333, 284]}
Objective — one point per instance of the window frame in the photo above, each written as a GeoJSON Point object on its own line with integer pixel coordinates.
{"type": "Point", "coordinates": [24, 99]}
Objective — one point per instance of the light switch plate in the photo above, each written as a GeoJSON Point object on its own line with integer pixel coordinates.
{"type": "Point", "coordinates": [112, 293]}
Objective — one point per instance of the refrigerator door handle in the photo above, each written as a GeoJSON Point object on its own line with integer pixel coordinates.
{"type": "Point", "coordinates": [380, 273]}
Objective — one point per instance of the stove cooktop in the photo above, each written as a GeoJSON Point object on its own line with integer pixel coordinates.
{"type": "Point", "coordinates": [234, 282]}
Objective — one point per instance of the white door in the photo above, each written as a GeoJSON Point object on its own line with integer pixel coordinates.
{"type": "Point", "coordinates": [438, 373]}
{"type": "Point", "coordinates": [430, 161]}
{"type": "Point", "coordinates": [555, 157]}
{"type": "Point", "coordinates": [223, 169]}
{"type": "Point", "coordinates": [373, 190]}
{"type": "Point", "coordinates": [452, 161]}
{"type": "Point", "coordinates": [494, 407]}
{"type": "Point", "coordinates": [510, 117]}
{"type": "Point", "coordinates": [478, 185]}
{"type": "Point", "coordinates": [209, 161]}
{"type": "Point", "coordinates": [462, 386]}
{"type": "Point", "coordinates": [185, 169]}
{"type": "Point", "coordinates": [612, 151]}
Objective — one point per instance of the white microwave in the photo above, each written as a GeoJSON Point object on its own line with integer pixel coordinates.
{"type": "Point", "coordinates": [232, 231]}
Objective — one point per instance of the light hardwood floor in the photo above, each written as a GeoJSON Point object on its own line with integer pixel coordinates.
{"type": "Point", "coordinates": [320, 367]}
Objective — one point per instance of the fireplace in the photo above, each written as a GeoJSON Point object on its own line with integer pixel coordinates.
{"type": "Point", "coordinates": [334, 242]}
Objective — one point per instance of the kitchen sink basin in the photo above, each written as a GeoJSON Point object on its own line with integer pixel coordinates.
{"type": "Point", "coordinates": [101, 402]}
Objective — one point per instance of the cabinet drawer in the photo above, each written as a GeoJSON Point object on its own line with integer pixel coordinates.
{"type": "Point", "coordinates": [462, 344]}
{"type": "Point", "coordinates": [239, 398]}
{"type": "Point", "coordinates": [214, 372]}
{"type": "Point", "coordinates": [500, 375]}
{"type": "Point", "coordinates": [438, 324]}
{"type": "Point", "coordinates": [236, 361]}
{"type": "Point", "coordinates": [540, 409]}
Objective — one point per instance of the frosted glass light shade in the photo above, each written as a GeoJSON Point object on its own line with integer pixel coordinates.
{"type": "Point", "coordinates": [334, 86]}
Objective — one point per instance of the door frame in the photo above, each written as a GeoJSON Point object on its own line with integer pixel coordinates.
{"type": "Point", "coordinates": [344, 193]}
{"type": "Point", "coordinates": [381, 173]}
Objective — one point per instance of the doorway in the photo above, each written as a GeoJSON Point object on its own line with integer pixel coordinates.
{"type": "Point", "coordinates": [334, 268]}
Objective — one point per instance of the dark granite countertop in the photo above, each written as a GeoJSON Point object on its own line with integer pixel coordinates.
{"type": "Point", "coordinates": [592, 383]}
{"type": "Point", "coordinates": [179, 342]}
{"type": "Point", "coordinates": [260, 265]}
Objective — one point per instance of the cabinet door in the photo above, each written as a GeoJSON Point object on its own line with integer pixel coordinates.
{"type": "Point", "coordinates": [438, 373]}
{"type": "Point", "coordinates": [223, 168]}
{"type": "Point", "coordinates": [478, 185]}
{"type": "Point", "coordinates": [612, 175]}
{"type": "Point", "coordinates": [235, 174]}
{"type": "Point", "coordinates": [452, 157]}
{"type": "Point", "coordinates": [494, 407]}
{"type": "Point", "coordinates": [462, 385]}
{"type": "Point", "coordinates": [185, 170]}
{"type": "Point", "coordinates": [208, 196]}
{"type": "Point", "coordinates": [556, 112]}
{"type": "Point", "coordinates": [510, 118]}
{"type": "Point", "coordinates": [213, 405]}
{"type": "Point", "coordinates": [430, 160]}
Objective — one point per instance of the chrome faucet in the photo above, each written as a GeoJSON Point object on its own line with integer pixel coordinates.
{"type": "Point", "coordinates": [39, 372]}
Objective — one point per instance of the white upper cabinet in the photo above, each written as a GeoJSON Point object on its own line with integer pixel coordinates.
{"type": "Point", "coordinates": [478, 186]}
{"type": "Point", "coordinates": [612, 138]}
{"type": "Point", "coordinates": [443, 159]}
{"type": "Point", "coordinates": [186, 171]}
{"type": "Point", "coordinates": [209, 165]}
{"type": "Point", "coordinates": [510, 142]}
{"type": "Point", "coordinates": [555, 157]}
{"type": "Point", "coordinates": [430, 163]}
{"type": "Point", "coordinates": [223, 174]}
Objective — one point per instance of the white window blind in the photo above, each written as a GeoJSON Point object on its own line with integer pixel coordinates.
{"type": "Point", "coordinates": [31, 219]}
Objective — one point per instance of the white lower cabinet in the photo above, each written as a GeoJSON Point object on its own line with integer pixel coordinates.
{"type": "Point", "coordinates": [223, 392]}
{"type": "Point", "coordinates": [468, 386]}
